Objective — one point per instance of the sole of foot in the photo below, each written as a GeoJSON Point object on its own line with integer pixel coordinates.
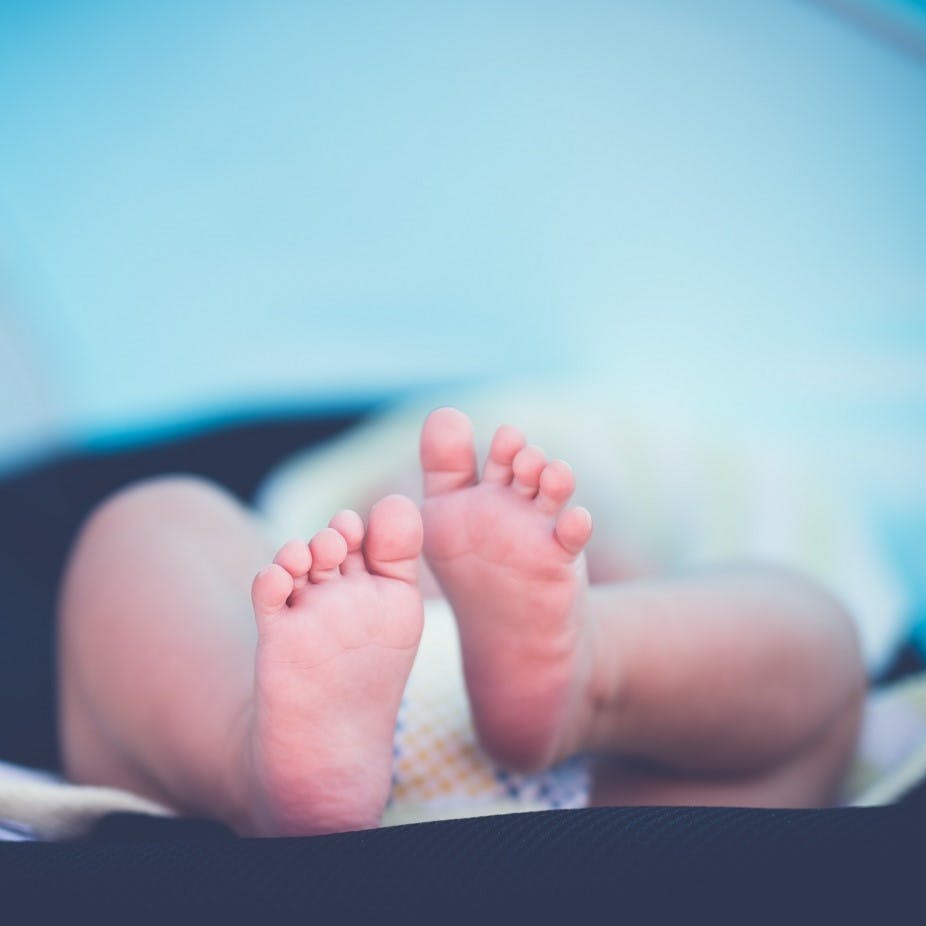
{"type": "Point", "coordinates": [507, 552]}
{"type": "Point", "coordinates": [339, 620]}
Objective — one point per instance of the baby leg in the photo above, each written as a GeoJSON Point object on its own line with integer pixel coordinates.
{"type": "Point", "coordinates": [742, 686]}
{"type": "Point", "coordinates": [750, 678]}
{"type": "Point", "coordinates": [170, 687]}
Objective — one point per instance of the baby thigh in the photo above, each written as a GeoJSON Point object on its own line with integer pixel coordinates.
{"type": "Point", "coordinates": [156, 639]}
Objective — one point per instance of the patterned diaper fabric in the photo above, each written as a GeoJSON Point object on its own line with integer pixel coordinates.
{"type": "Point", "coordinates": [439, 770]}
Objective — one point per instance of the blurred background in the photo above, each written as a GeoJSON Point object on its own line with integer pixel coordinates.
{"type": "Point", "coordinates": [215, 211]}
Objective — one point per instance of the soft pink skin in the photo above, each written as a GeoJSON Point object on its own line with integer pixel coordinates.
{"type": "Point", "coordinates": [736, 686]}
{"type": "Point", "coordinates": [507, 555]}
{"type": "Point", "coordinates": [275, 717]}
{"type": "Point", "coordinates": [339, 622]}
{"type": "Point", "coordinates": [666, 680]}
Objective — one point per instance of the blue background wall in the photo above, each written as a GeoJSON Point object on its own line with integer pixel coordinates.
{"type": "Point", "coordinates": [720, 206]}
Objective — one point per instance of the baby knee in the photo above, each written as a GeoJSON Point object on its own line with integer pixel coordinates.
{"type": "Point", "coordinates": [137, 503]}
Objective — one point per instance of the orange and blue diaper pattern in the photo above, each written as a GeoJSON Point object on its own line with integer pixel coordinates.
{"type": "Point", "coordinates": [439, 770]}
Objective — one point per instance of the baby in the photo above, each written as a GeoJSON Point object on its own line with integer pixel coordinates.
{"type": "Point", "coordinates": [739, 686]}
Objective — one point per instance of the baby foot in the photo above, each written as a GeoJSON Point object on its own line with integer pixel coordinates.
{"type": "Point", "coordinates": [339, 620]}
{"type": "Point", "coordinates": [508, 556]}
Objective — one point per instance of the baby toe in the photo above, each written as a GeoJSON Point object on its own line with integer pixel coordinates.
{"type": "Point", "coordinates": [506, 445]}
{"type": "Point", "coordinates": [573, 529]}
{"type": "Point", "coordinates": [328, 549]}
{"type": "Point", "coordinates": [557, 483]}
{"type": "Point", "coordinates": [349, 525]}
{"type": "Point", "coordinates": [295, 558]}
{"type": "Point", "coordinates": [527, 466]}
{"type": "Point", "coordinates": [270, 589]}
{"type": "Point", "coordinates": [394, 538]}
{"type": "Point", "coordinates": [448, 451]}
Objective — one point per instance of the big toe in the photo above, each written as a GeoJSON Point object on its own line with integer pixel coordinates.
{"type": "Point", "coordinates": [393, 540]}
{"type": "Point", "coordinates": [448, 453]}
